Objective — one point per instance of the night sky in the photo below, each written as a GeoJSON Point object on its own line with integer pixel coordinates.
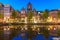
{"type": "Point", "coordinates": [37, 4]}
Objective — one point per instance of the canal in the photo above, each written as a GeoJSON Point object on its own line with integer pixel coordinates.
{"type": "Point", "coordinates": [9, 32]}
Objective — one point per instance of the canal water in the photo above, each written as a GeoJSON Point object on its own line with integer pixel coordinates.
{"type": "Point", "coordinates": [9, 32]}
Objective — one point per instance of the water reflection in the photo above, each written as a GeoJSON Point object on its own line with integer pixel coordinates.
{"type": "Point", "coordinates": [8, 32]}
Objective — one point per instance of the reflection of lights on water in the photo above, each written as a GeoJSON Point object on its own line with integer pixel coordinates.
{"type": "Point", "coordinates": [48, 28]}
{"type": "Point", "coordinates": [33, 29]}
{"type": "Point", "coordinates": [51, 27]}
{"type": "Point", "coordinates": [22, 29]}
{"type": "Point", "coordinates": [4, 28]}
{"type": "Point", "coordinates": [26, 28]}
{"type": "Point", "coordinates": [38, 29]}
{"type": "Point", "coordinates": [54, 28]}
{"type": "Point", "coordinates": [8, 29]}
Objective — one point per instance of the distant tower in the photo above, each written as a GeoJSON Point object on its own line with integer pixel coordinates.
{"type": "Point", "coordinates": [29, 7]}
